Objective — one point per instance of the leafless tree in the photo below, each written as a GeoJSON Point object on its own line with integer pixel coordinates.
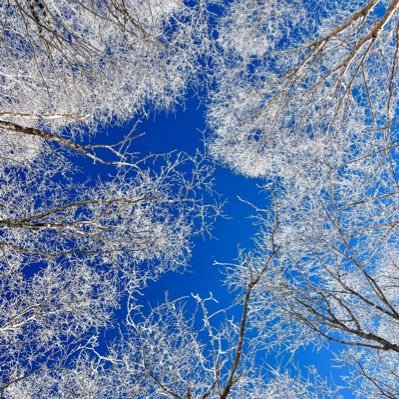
{"type": "Point", "coordinates": [307, 99]}
{"type": "Point", "coordinates": [69, 251]}
{"type": "Point", "coordinates": [83, 64]}
{"type": "Point", "coordinates": [165, 353]}
{"type": "Point", "coordinates": [303, 81]}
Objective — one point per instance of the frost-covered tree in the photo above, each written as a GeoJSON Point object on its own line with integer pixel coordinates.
{"type": "Point", "coordinates": [323, 287]}
{"type": "Point", "coordinates": [172, 355]}
{"type": "Point", "coordinates": [307, 98]}
{"type": "Point", "coordinates": [70, 67]}
{"type": "Point", "coordinates": [73, 63]}
{"type": "Point", "coordinates": [50, 316]}
{"type": "Point", "coordinates": [164, 353]}
{"type": "Point", "coordinates": [301, 80]}
{"type": "Point", "coordinates": [130, 218]}
{"type": "Point", "coordinates": [69, 251]}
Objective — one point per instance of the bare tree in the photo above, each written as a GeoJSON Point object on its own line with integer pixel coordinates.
{"type": "Point", "coordinates": [164, 353]}
{"type": "Point", "coordinates": [210, 354]}
{"type": "Point", "coordinates": [129, 218]}
{"type": "Point", "coordinates": [303, 81]}
{"type": "Point", "coordinates": [311, 105]}
{"type": "Point", "coordinates": [69, 251]}
{"type": "Point", "coordinates": [322, 289]}
{"type": "Point", "coordinates": [306, 97]}
{"type": "Point", "coordinates": [84, 64]}
{"type": "Point", "coordinates": [49, 317]}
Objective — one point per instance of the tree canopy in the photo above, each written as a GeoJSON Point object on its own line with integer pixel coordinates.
{"type": "Point", "coordinates": [301, 95]}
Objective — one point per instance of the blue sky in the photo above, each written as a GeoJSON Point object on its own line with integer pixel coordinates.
{"type": "Point", "coordinates": [181, 130]}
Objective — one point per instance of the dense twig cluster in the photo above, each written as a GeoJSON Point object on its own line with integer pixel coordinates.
{"type": "Point", "coordinates": [305, 96]}
{"type": "Point", "coordinates": [312, 107]}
